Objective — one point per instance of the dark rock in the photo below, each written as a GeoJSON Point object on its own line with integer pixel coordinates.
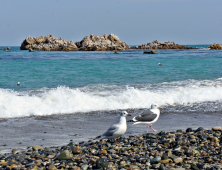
{"type": "Point", "coordinates": [199, 129]}
{"type": "Point", "coordinates": [162, 133]}
{"type": "Point", "coordinates": [194, 167]}
{"type": "Point", "coordinates": [155, 160]}
{"type": "Point", "coordinates": [189, 130]}
{"type": "Point", "coordinates": [200, 165]}
{"type": "Point", "coordinates": [150, 52]}
{"type": "Point", "coordinates": [102, 163]}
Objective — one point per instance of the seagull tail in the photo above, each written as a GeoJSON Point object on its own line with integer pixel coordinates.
{"type": "Point", "coordinates": [130, 121]}
{"type": "Point", "coordinates": [97, 137]}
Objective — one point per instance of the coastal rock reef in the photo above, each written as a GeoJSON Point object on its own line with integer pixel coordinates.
{"type": "Point", "coordinates": [89, 43]}
{"type": "Point", "coordinates": [95, 43]}
{"type": "Point", "coordinates": [189, 149]}
{"type": "Point", "coordinates": [161, 45]}
{"type": "Point", "coordinates": [47, 43]}
{"type": "Point", "coordinates": [101, 43]}
{"type": "Point", "coordinates": [150, 52]}
{"type": "Point", "coordinates": [215, 46]}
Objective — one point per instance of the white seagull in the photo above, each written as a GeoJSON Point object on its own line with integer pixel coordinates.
{"type": "Point", "coordinates": [148, 117]}
{"type": "Point", "coordinates": [117, 129]}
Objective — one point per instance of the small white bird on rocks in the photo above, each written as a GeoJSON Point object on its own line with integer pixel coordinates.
{"type": "Point", "coordinates": [117, 129]}
{"type": "Point", "coordinates": [148, 117]}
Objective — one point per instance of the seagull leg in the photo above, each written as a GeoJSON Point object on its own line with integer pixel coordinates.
{"type": "Point", "coordinates": [147, 129]}
{"type": "Point", "coordinates": [153, 129]}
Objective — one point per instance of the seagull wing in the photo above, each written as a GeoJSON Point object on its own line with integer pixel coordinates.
{"type": "Point", "coordinates": [110, 131]}
{"type": "Point", "coordinates": [146, 116]}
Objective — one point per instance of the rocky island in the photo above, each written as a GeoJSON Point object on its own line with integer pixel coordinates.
{"type": "Point", "coordinates": [47, 43]}
{"type": "Point", "coordinates": [95, 43]}
{"type": "Point", "coordinates": [215, 46]}
{"type": "Point", "coordinates": [161, 45]}
{"type": "Point", "coordinates": [89, 43]}
{"type": "Point", "coordinates": [101, 43]}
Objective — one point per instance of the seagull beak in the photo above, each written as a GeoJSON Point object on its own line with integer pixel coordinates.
{"type": "Point", "coordinates": [160, 107]}
{"type": "Point", "coordinates": [129, 115]}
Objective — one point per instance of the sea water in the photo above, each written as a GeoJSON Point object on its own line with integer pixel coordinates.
{"type": "Point", "coordinates": [80, 81]}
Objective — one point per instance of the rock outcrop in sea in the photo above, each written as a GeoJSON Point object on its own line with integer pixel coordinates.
{"type": "Point", "coordinates": [150, 52]}
{"type": "Point", "coordinates": [6, 49]}
{"type": "Point", "coordinates": [161, 45]}
{"type": "Point", "coordinates": [47, 43]}
{"type": "Point", "coordinates": [101, 43]}
{"type": "Point", "coordinates": [215, 46]}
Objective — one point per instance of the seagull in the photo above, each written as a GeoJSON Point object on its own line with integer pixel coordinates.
{"type": "Point", "coordinates": [160, 64]}
{"type": "Point", "coordinates": [148, 117]}
{"type": "Point", "coordinates": [117, 129]}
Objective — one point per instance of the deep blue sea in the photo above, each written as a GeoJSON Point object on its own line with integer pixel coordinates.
{"type": "Point", "coordinates": [78, 81]}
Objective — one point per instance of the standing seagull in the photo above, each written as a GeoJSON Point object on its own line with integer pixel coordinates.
{"type": "Point", "coordinates": [116, 130]}
{"type": "Point", "coordinates": [148, 117]}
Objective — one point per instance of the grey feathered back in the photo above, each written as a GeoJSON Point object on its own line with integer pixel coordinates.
{"type": "Point", "coordinates": [146, 116]}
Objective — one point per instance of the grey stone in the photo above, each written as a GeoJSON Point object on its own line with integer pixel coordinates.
{"type": "Point", "coordinates": [155, 160]}
{"type": "Point", "coordinates": [102, 163]}
{"type": "Point", "coordinates": [65, 155]}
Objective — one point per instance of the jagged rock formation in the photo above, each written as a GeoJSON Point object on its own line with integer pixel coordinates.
{"type": "Point", "coordinates": [47, 43]}
{"type": "Point", "coordinates": [161, 45]}
{"type": "Point", "coordinates": [101, 43]}
{"type": "Point", "coordinates": [215, 46]}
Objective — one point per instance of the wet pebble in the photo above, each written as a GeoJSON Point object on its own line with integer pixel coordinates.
{"type": "Point", "coordinates": [189, 149]}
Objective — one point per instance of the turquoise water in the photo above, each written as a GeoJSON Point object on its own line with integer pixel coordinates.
{"type": "Point", "coordinates": [129, 79]}
{"type": "Point", "coordinates": [74, 69]}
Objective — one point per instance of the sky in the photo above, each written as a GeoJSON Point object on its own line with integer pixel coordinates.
{"type": "Point", "coordinates": [135, 22]}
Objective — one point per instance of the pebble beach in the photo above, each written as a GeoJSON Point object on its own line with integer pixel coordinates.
{"type": "Point", "coordinates": [174, 146]}
{"type": "Point", "coordinates": [190, 149]}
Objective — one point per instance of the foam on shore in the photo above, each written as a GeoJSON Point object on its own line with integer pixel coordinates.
{"type": "Point", "coordinates": [65, 100]}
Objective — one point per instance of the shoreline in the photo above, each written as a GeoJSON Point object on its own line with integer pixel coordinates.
{"type": "Point", "coordinates": [184, 149]}
{"type": "Point", "coordinates": [57, 130]}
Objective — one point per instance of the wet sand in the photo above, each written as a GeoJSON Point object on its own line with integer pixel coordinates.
{"type": "Point", "coordinates": [58, 130]}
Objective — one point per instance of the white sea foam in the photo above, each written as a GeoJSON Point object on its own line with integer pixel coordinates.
{"type": "Point", "coordinates": [64, 100]}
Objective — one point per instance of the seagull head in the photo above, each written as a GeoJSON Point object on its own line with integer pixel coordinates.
{"type": "Point", "coordinates": [124, 113]}
{"type": "Point", "coordinates": [155, 106]}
